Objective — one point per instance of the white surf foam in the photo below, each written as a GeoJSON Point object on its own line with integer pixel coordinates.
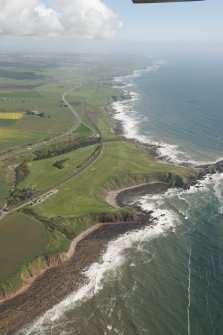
{"type": "Point", "coordinates": [127, 80]}
{"type": "Point", "coordinates": [102, 271]}
{"type": "Point", "coordinates": [165, 220]}
{"type": "Point", "coordinates": [211, 184]}
{"type": "Point", "coordinates": [131, 121]}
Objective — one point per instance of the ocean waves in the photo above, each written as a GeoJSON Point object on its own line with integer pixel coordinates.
{"type": "Point", "coordinates": [179, 277]}
{"type": "Point", "coordinates": [133, 121]}
{"type": "Point", "coordinates": [170, 210]}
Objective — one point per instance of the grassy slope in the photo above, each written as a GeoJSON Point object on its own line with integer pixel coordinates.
{"type": "Point", "coordinates": [21, 239]}
{"type": "Point", "coordinates": [24, 244]}
{"type": "Point", "coordinates": [121, 164]}
{"type": "Point", "coordinates": [44, 175]}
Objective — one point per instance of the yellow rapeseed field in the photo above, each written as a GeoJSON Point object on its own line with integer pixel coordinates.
{"type": "Point", "coordinates": [11, 116]}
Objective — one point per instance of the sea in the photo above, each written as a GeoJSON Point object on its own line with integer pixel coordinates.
{"type": "Point", "coordinates": [165, 279]}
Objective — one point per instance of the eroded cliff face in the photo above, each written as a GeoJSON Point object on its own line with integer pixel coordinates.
{"type": "Point", "coordinates": [134, 217]}
{"type": "Point", "coordinates": [29, 273]}
{"type": "Point", "coordinates": [212, 168]}
{"type": "Point", "coordinates": [203, 170]}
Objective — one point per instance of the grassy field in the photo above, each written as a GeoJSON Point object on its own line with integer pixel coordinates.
{"type": "Point", "coordinates": [10, 138]}
{"type": "Point", "coordinates": [44, 175]}
{"type": "Point", "coordinates": [22, 239]}
{"type": "Point", "coordinates": [91, 101]}
{"type": "Point", "coordinates": [30, 85]}
{"type": "Point", "coordinates": [121, 164]}
{"type": "Point", "coordinates": [6, 180]}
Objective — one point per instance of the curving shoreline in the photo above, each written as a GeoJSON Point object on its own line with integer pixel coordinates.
{"type": "Point", "coordinates": [54, 283]}
{"type": "Point", "coordinates": [114, 198]}
{"type": "Point", "coordinates": [64, 257]}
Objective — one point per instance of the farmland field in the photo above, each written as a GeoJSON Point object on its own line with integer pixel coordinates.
{"type": "Point", "coordinates": [11, 116]}
{"type": "Point", "coordinates": [21, 240]}
{"type": "Point", "coordinates": [31, 104]}
{"type": "Point", "coordinates": [10, 138]}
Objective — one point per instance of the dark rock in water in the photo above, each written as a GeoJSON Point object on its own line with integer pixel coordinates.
{"type": "Point", "coordinates": [219, 166]}
{"type": "Point", "coordinates": [120, 84]}
{"type": "Point", "coordinates": [125, 96]}
{"type": "Point", "coordinates": [212, 168]}
{"type": "Point", "coordinates": [118, 128]}
{"type": "Point", "coordinates": [124, 197]}
{"type": "Point", "coordinates": [56, 283]}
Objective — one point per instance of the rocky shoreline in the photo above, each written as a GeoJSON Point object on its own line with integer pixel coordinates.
{"type": "Point", "coordinates": [58, 282]}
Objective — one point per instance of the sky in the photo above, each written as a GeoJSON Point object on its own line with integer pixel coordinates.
{"type": "Point", "coordinates": [191, 21]}
{"type": "Point", "coordinates": [85, 25]}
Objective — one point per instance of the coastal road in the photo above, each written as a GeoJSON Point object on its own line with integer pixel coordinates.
{"type": "Point", "coordinates": [77, 117]}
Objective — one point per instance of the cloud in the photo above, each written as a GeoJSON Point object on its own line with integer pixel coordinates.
{"type": "Point", "coordinates": [76, 18]}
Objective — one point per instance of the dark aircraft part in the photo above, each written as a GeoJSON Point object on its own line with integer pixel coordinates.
{"type": "Point", "coordinates": [158, 1]}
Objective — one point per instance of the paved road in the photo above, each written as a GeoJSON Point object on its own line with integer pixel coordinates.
{"type": "Point", "coordinates": [85, 166]}
{"type": "Point", "coordinates": [45, 195]}
{"type": "Point", "coordinates": [78, 120]}
{"type": "Point", "coordinates": [77, 117]}
{"type": "Point", "coordinates": [76, 125]}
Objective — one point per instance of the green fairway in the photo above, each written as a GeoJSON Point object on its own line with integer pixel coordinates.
{"type": "Point", "coordinates": [44, 175]}
{"type": "Point", "coordinates": [21, 239]}
{"type": "Point", "coordinates": [121, 164]}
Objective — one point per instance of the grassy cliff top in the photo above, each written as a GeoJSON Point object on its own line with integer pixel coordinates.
{"type": "Point", "coordinates": [121, 164]}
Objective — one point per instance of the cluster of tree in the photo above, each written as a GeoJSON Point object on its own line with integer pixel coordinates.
{"type": "Point", "coordinates": [20, 75]}
{"type": "Point", "coordinates": [60, 164]}
{"type": "Point", "coordinates": [20, 195]}
{"type": "Point", "coordinates": [40, 114]}
{"type": "Point", "coordinates": [64, 147]}
{"type": "Point", "coordinates": [21, 171]}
